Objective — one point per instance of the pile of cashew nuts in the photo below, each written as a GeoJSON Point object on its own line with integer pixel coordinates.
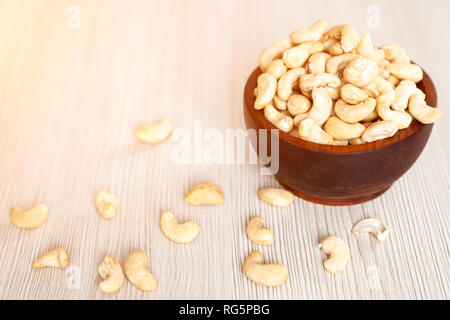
{"type": "Point", "coordinates": [328, 86]}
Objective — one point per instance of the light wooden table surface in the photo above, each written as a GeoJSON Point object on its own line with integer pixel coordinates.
{"type": "Point", "coordinates": [71, 99]}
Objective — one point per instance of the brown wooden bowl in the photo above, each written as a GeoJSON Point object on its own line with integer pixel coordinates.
{"type": "Point", "coordinates": [341, 175]}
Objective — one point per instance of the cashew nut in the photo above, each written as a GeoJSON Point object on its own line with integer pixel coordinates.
{"type": "Point", "coordinates": [385, 100]}
{"type": "Point", "coordinates": [420, 111]}
{"type": "Point", "coordinates": [341, 130]}
{"type": "Point", "coordinates": [395, 54]}
{"type": "Point", "coordinates": [366, 49]}
{"type": "Point", "coordinates": [308, 130]}
{"type": "Point", "coordinates": [278, 119]}
{"type": "Point", "coordinates": [106, 203]}
{"type": "Point", "coordinates": [279, 104]}
{"type": "Point", "coordinates": [265, 274]}
{"type": "Point", "coordinates": [258, 233]}
{"type": "Point", "coordinates": [155, 133]}
{"type": "Point", "coordinates": [317, 62]}
{"type": "Point", "coordinates": [29, 219]}
{"type": "Point", "coordinates": [336, 65]}
{"type": "Point", "coordinates": [267, 86]}
{"type": "Point", "coordinates": [315, 80]}
{"type": "Point", "coordinates": [297, 56]}
{"type": "Point", "coordinates": [352, 94]}
{"type": "Point", "coordinates": [297, 104]}
{"type": "Point", "coordinates": [111, 273]}
{"type": "Point", "coordinates": [276, 197]}
{"type": "Point", "coordinates": [313, 33]}
{"type": "Point", "coordinates": [347, 35]}
{"type": "Point", "coordinates": [205, 193]}
{"type": "Point", "coordinates": [361, 72]}
{"type": "Point", "coordinates": [56, 258]}
{"type": "Point", "coordinates": [380, 130]}
{"type": "Point", "coordinates": [333, 47]}
{"type": "Point", "coordinates": [178, 232]}
{"type": "Point", "coordinates": [136, 271]}
{"type": "Point", "coordinates": [393, 80]}
{"type": "Point", "coordinates": [338, 253]}
{"type": "Point", "coordinates": [299, 118]}
{"type": "Point", "coordinates": [374, 226]}
{"type": "Point", "coordinates": [403, 92]}
{"type": "Point", "coordinates": [405, 71]}
{"type": "Point", "coordinates": [340, 142]}
{"type": "Point", "coordinates": [356, 141]}
{"type": "Point", "coordinates": [354, 113]}
{"type": "Point", "coordinates": [371, 90]}
{"type": "Point", "coordinates": [287, 81]}
{"type": "Point", "coordinates": [277, 68]}
{"type": "Point", "coordinates": [322, 106]}
{"type": "Point", "coordinates": [274, 51]}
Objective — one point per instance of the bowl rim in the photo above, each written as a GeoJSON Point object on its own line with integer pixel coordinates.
{"type": "Point", "coordinates": [426, 85]}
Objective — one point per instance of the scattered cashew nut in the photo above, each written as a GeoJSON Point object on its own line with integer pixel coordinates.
{"type": "Point", "coordinates": [106, 203]}
{"type": "Point", "coordinates": [374, 226]}
{"type": "Point", "coordinates": [178, 232]}
{"type": "Point", "coordinates": [205, 193]}
{"type": "Point", "coordinates": [155, 133]}
{"type": "Point", "coordinates": [136, 271]}
{"type": "Point", "coordinates": [56, 258]}
{"type": "Point", "coordinates": [265, 274]}
{"type": "Point", "coordinates": [258, 233]}
{"type": "Point", "coordinates": [338, 253]}
{"type": "Point", "coordinates": [29, 219]}
{"type": "Point", "coordinates": [111, 273]}
{"type": "Point", "coordinates": [275, 196]}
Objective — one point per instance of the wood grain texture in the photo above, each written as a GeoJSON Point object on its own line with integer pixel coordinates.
{"type": "Point", "coordinates": [71, 99]}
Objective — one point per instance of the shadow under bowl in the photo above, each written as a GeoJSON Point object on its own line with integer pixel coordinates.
{"type": "Point", "coordinates": [340, 175]}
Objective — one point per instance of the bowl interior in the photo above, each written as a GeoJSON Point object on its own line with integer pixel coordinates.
{"type": "Point", "coordinates": [426, 85]}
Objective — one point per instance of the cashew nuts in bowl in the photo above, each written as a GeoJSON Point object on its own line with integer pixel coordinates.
{"type": "Point", "coordinates": [341, 76]}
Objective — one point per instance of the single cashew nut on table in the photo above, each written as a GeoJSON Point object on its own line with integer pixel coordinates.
{"type": "Point", "coordinates": [265, 274]}
{"type": "Point", "coordinates": [278, 119]}
{"type": "Point", "coordinates": [277, 68]}
{"type": "Point", "coordinates": [352, 94]}
{"type": "Point", "coordinates": [136, 271]}
{"type": "Point", "coordinates": [312, 33]}
{"type": "Point", "coordinates": [341, 130]}
{"type": "Point", "coordinates": [258, 233]}
{"type": "Point", "coordinates": [111, 273]}
{"type": "Point", "coordinates": [420, 111]}
{"type": "Point", "coordinates": [56, 258]}
{"type": "Point", "coordinates": [275, 196]}
{"type": "Point", "coordinates": [106, 204]}
{"type": "Point", "coordinates": [404, 91]}
{"type": "Point", "coordinates": [338, 253]}
{"type": "Point", "coordinates": [178, 232]}
{"type": "Point", "coordinates": [309, 130]}
{"type": "Point", "coordinates": [205, 193]}
{"type": "Point", "coordinates": [267, 87]}
{"type": "Point", "coordinates": [395, 54]}
{"type": "Point", "coordinates": [287, 81]}
{"type": "Point", "coordinates": [361, 72]}
{"type": "Point", "coordinates": [317, 62]}
{"type": "Point", "coordinates": [380, 130]}
{"type": "Point", "coordinates": [297, 104]}
{"type": "Point", "coordinates": [273, 52]}
{"type": "Point", "coordinates": [353, 113]}
{"type": "Point", "coordinates": [405, 71]}
{"type": "Point", "coordinates": [322, 106]}
{"type": "Point", "coordinates": [155, 133]}
{"type": "Point", "coordinates": [29, 219]}
{"type": "Point", "coordinates": [374, 226]}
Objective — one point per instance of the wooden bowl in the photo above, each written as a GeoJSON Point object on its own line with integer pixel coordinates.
{"type": "Point", "coordinates": [341, 175]}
